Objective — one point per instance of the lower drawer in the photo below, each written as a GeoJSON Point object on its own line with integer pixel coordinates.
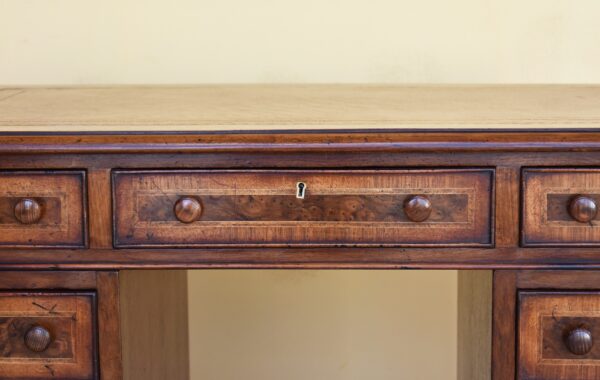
{"type": "Point", "coordinates": [557, 333]}
{"type": "Point", "coordinates": [47, 336]}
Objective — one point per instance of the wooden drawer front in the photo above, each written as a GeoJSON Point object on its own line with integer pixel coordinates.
{"type": "Point", "coordinates": [559, 207]}
{"type": "Point", "coordinates": [27, 353]}
{"type": "Point", "coordinates": [42, 209]}
{"type": "Point", "coordinates": [557, 333]}
{"type": "Point", "coordinates": [339, 208]}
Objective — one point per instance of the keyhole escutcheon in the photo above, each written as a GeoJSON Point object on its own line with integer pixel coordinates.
{"type": "Point", "coordinates": [300, 190]}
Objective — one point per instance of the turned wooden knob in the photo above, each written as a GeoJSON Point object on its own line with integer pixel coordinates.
{"type": "Point", "coordinates": [417, 208]}
{"type": "Point", "coordinates": [28, 211]}
{"type": "Point", "coordinates": [579, 341]}
{"type": "Point", "coordinates": [188, 210]}
{"type": "Point", "coordinates": [37, 339]}
{"type": "Point", "coordinates": [583, 209]}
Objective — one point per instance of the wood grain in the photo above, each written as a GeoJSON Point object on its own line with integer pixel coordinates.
{"type": "Point", "coordinates": [554, 293]}
{"type": "Point", "coordinates": [346, 141]}
{"type": "Point", "coordinates": [508, 194]}
{"type": "Point", "coordinates": [301, 106]}
{"type": "Point", "coordinates": [504, 330]}
{"type": "Point", "coordinates": [474, 348]}
{"type": "Point", "coordinates": [61, 196]}
{"type": "Point", "coordinates": [100, 204]}
{"type": "Point", "coordinates": [28, 211]}
{"type": "Point", "coordinates": [558, 279]}
{"type": "Point", "coordinates": [154, 320]}
{"type": "Point", "coordinates": [70, 320]}
{"type": "Point", "coordinates": [547, 195]}
{"type": "Point", "coordinates": [340, 208]}
{"type": "Point", "coordinates": [298, 258]}
{"type": "Point", "coordinates": [69, 280]}
{"type": "Point", "coordinates": [545, 320]}
{"type": "Point", "coordinates": [109, 325]}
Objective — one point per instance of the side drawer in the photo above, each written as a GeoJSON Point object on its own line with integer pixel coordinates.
{"type": "Point", "coordinates": [557, 332]}
{"type": "Point", "coordinates": [47, 336]}
{"type": "Point", "coordinates": [42, 209]}
{"type": "Point", "coordinates": [303, 208]}
{"type": "Point", "coordinates": [560, 207]}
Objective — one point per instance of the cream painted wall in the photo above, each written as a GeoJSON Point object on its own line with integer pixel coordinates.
{"type": "Point", "coordinates": [183, 41]}
{"type": "Point", "coordinates": [307, 324]}
{"type": "Point", "coordinates": [323, 325]}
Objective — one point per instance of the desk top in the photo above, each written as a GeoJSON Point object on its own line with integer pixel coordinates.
{"type": "Point", "coordinates": [250, 107]}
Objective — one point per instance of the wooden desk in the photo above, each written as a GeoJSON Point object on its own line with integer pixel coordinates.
{"type": "Point", "coordinates": [469, 177]}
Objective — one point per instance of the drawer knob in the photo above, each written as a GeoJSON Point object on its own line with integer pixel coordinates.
{"type": "Point", "coordinates": [28, 211]}
{"type": "Point", "coordinates": [188, 210]}
{"type": "Point", "coordinates": [37, 339]}
{"type": "Point", "coordinates": [417, 208]}
{"type": "Point", "coordinates": [579, 341]}
{"type": "Point", "coordinates": [583, 209]}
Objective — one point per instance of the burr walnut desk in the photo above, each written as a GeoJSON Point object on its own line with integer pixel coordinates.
{"type": "Point", "coordinates": [500, 182]}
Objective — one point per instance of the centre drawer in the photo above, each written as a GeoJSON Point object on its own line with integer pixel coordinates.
{"type": "Point", "coordinates": [303, 208]}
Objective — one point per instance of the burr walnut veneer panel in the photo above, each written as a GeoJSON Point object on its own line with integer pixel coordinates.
{"type": "Point", "coordinates": [334, 207]}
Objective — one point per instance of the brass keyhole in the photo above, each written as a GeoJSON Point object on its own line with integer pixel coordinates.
{"type": "Point", "coordinates": [300, 190]}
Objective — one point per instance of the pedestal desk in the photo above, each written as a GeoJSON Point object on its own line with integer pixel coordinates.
{"type": "Point", "coordinates": [100, 185]}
